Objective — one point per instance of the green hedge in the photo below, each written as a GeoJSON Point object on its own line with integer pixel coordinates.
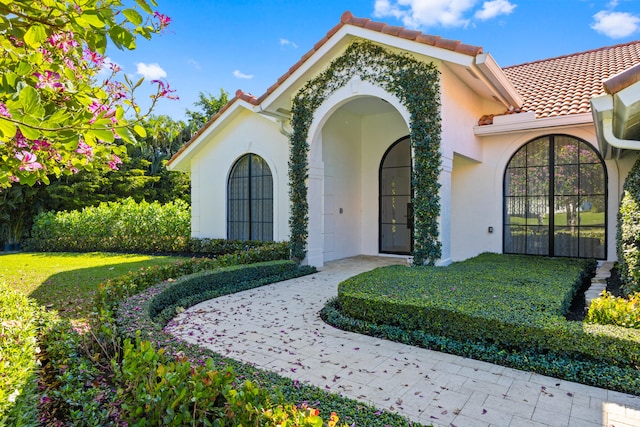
{"type": "Point", "coordinates": [609, 376]}
{"type": "Point", "coordinates": [21, 323]}
{"type": "Point", "coordinates": [628, 236]}
{"type": "Point", "coordinates": [134, 320]}
{"type": "Point", "coordinates": [516, 303]}
{"type": "Point", "coordinates": [124, 226]}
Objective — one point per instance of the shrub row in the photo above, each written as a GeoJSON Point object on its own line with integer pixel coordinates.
{"type": "Point", "coordinates": [628, 234]}
{"type": "Point", "coordinates": [113, 291]}
{"type": "Point", "coordinates": [134, 319]}
{"type": "Point", "coordinates": [516, 303]}
{"type": "Point", "coordinates": [21, 323]}
{"type": "Point", "coordinates": [124, 226]}
{"type": "Point", "coordinates": [623, 378]}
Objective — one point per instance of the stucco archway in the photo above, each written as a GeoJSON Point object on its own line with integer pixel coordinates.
{"type": "Point", "coordinates": [349, 135]}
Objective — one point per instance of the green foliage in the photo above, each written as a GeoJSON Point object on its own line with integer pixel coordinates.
{"type": "Point", "coordinates": [628, 232]}
{"type": "Point", "coordinates": [125, 227]}
{"type": "Point", "coordinates": [512, 302]}
{"type": "Point", "coordinates": [189, 290]}
{"type": "Point", "coordinates": [416, 86]}
{"type": "Point", "coordinates": [113, 291]}
{"type": "Point", "coordinates": [21, 323]}
{"type": "Point", "coordinates": [610, 310]}
{"type": "Point", "coordinates": [56, 115]}
{"type": "Point", "coordinates": [158, 391]}
{"type": "Point", "coordinates": [623, 378]}
{"type": "Point", "coordinates": [209, 106]}
{"type": "Point", "coordinates": [75, 391]}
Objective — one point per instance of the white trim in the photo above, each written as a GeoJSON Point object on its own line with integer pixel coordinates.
{"type": "Point", "coordinates": [498, 81]}
{"type": "Point", "coordinates": [537, 124]}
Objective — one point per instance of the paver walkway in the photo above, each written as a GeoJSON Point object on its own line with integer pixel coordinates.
{"type": "Point", "coordinates": [277, 327]}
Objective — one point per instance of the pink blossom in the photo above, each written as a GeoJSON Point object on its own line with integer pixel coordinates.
{"type": "Point", "coordinates": [115, 161]}
{"type": "Point", "coordinates": [163, 20]}
{"type": "Point", "coordinates": [94, 57]}
{"type": "Point", "coordinates": [28, 161]}
{"type": "Point", "coordinates": [85, 149]}
{"type": "Point", "coordinates": [41, 144]}
{"type": "Point", "coordinates": [21, 141]}
{"type": "Point", "coordinates": [164, 91]}
{"type": "Point", "coordinates": [4, 112]}
{"type": "Point", "coordinates": [48, 80]}
{"type": "Point", "coordinates": [63, 41]}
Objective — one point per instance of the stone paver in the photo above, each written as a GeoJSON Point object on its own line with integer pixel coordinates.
{"type": "Point", "coordinates": [277, 327]}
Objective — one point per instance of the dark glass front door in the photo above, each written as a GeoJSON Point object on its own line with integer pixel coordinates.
{"type": "Point", "coordinates": [396, 211]}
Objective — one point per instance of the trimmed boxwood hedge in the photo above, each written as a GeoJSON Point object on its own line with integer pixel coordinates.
{"type": "Point", "coordinates": [134, 319]}
{"type": "Point", "coordinates": [513, 303]}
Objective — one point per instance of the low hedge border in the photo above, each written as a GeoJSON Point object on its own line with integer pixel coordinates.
{"type": "Point", "coordinates": [619, 378]}
{"type": "Point", "coordinates": [134, 320]}
{"type": "Point", "coordinates": [490, 302]}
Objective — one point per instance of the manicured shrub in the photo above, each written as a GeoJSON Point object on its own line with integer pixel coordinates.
{"type": "Point", "coordinates": [623, 378]}
{"type": "Point", "coordinates": [513, 302]}
{"type": "Point", "coordinates": [124, 226]}
{"type": "Point", "coordinates": [628, 235]}
{"type": "Point", "coordinates": [610, 310]}
{"type": "Point", "coordinates": [21, 322]}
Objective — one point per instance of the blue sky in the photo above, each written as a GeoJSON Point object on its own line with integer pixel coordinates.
{"type": "Point", "coordinates": [240, 44]}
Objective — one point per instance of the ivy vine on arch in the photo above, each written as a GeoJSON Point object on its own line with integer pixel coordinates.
{"type": "Point", "coordinates": [416, 85]}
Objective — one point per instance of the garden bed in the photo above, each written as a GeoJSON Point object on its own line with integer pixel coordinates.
{"type": "Point", "coordinates": [503, 309]}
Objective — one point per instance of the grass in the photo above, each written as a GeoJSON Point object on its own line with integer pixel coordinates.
{"type": "Point", "coordinates": [66, 282]}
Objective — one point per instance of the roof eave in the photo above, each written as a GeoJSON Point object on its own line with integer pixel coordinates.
{"type": "Point", "coordinates": [182, 159]}
{"type": "Point", "coordinates": [535, 124]}
{"type": "Point", "coordinates": [495, 78]}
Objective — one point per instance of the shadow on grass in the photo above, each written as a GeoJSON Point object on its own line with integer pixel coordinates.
{"type": "Point", "coordinates": [71, 292]}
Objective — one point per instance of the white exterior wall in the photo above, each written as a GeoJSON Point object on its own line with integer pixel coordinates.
{"type": "Point", "coordinates": [247, 133]}
{"type": "Point", "coordinates": [478, 189]}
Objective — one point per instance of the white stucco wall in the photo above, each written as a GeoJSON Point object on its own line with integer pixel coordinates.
{"type": "Point", "coordinates": [247, 133]}
{"type": "Point", "coordinates": [477, 187]}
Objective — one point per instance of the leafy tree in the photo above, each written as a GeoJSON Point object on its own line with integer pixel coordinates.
{"type": "Point", "coordinates": [209, 105]}
{"type": "Point", "coordinates": [57, 115]}
{"type": "Point", "coordinates": [164, 138]}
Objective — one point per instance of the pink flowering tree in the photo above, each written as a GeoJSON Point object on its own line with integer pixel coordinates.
{"type": "Point", "coordinates": [63, 104]}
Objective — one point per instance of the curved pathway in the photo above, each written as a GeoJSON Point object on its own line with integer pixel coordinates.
{"type": "Point", "coordinates": [277, 327]}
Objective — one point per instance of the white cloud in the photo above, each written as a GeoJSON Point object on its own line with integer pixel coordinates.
{"type": "Point", "coordinates": [285, 42]}
{"type": "Point", "coordinates": [615, 24]}
{"type": "Point", "coordinates": [445, 13]}
{"type": "Point", "coordinates": [237, 74]}
{"type": "Point", "coordinates": [493, 8]}
{"type": "Point", "coordinates": [151, 71]}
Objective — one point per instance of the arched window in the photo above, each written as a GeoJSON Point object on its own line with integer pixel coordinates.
{"type": "Point", "coordinates": [555, 199]}
{"type": "Point", "coordinates": [250, 200]}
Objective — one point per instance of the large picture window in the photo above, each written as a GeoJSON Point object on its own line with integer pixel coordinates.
{"type": "Point", "coordinates": [250, 200]}
{"type": "Point", "coordinates": [555, 199]}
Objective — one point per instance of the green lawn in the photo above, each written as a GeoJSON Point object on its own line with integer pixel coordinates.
{"type": "Point", "coordinates": [67, 281]}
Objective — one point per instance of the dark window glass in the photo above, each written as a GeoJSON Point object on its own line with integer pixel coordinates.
{"type": "Point", "coordinates": [250, 200]}
{"type": "Point", "coordinates": [555, 199]}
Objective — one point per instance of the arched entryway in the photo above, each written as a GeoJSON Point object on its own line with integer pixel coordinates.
{"type": "Point", "coordinates": [555, 199]}
{"type": "Point", "coordinates": [396, 211]}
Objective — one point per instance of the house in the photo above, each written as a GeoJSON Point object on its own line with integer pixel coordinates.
{"type": "Point", "coordinates": [382, 140]}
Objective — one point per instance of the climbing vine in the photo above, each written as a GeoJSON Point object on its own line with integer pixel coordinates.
{"type": "Point", "coordinates": [416, 85]}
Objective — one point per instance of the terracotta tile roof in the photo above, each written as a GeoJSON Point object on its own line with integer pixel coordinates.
{"type": "Point", "coordinates": [563, 85]}
{"type": "Point", "coordinates": [622, 80]}
{"type": "Point", "coordinates": [347, 18]}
